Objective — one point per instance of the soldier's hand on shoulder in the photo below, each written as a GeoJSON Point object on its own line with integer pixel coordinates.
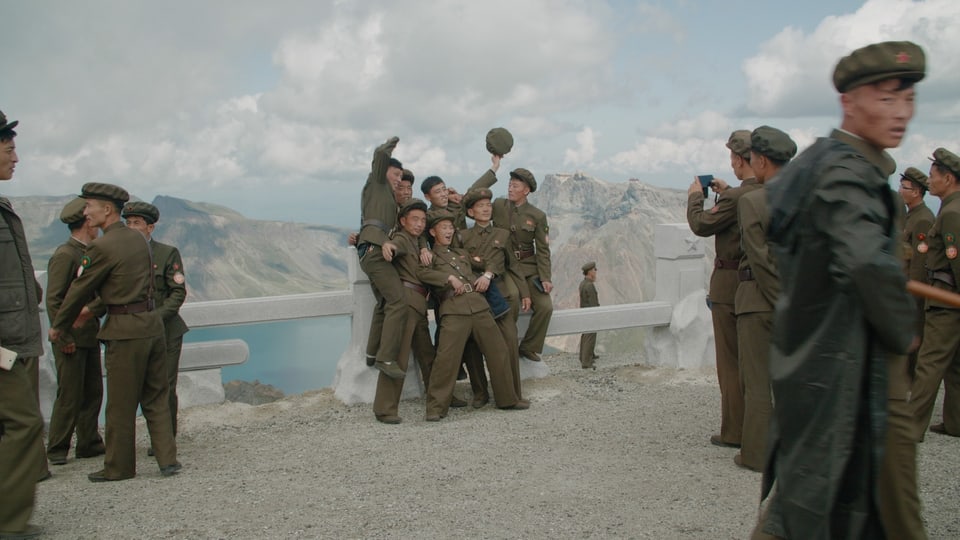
{"type": "Point", "coordinates": [426, 256]}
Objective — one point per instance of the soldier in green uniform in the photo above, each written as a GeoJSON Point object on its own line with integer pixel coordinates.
{"type": "Point", "coordinates": [416, 335]}
{"type": "Point", "coordinates": [464, 314]}
{"type": "Point", "coordinates": [21, 425]}
{"type": "Point", "coordinates": [770, 150]}
{"type": "Point", "coordinates": [169, 293]}
{"type": "Point", "coordinates": [530, 248]}
{"type": "Point", "coordinates": [489, 249]}
{"type": "Point", "coordinates": [721, 223]}
{"type": "Point", "coordinates": [939, 358]}
{"type": "Point", "coordinates": [588, 298]}
{"type": "Point", "coordinates": [79, 376]}
{"type": "Point", "coordinates": [919, 219]}
{"type": "Point", "coordinates": [117, 266]}
{"type": "Point", "coordinates": [378, 211]}
{"type": "Point", "coordinates": [843, 308]}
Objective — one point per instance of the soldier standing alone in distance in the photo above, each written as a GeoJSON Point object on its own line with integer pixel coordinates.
{"type": "Point", "coordinates": [588, 298]}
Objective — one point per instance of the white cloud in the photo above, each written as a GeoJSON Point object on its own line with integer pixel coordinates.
{"type": "Point", "coordinates": [585, 152]}
{"type": "Point", "coordinates": [792, 73]}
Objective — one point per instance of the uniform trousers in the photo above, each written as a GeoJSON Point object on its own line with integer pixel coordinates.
{"type": "Point", "coordinates": [540, 320]}
{"type": "Point", "coordinates": [79, 396]}
{"type": "Point", "coordinates": [939, 359]}
{"type": "Point", "coordinates": [33, 370]}
{"type": "Point", "coordinates": [728, 372]}
{"type": "Point", "coordinates": [921, 315]}
{"type": "Point", "coordinates": [508, 329]}
{"type": "Point", "coordinates": [136, 375]}
{"type": "Point", "coordinates": [19, 459]}
{"type": "Point", "coordinates": [455, 330]}
{"type": "Point", "coordinates": [416, 339]}
{"type": "Point", "coordinates": [899, 501]}
{"type": "Point", "coordinates": [588, 342]}
{"type": "Point", "coordinates": [390, 314]}
{"type": "Point", "coordinates": [172, 356]}
{"type": "Point", "coordinates": [753, 337]}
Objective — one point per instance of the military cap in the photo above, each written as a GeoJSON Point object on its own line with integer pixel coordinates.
{"type": "Point", "coordinates": [412, 203]}
{"type": "Point", "coordinates": [947, 159]}
{"type": "Point", "coordinates": [773, 143]}
{"type": "Point", "coordinates": [73, 211]}
{"type": "Point", "coordinates": [105, 192]}
{"type": "Point", "coordinates": [916, 176]}
{"type": "Point", "coordinates": [439, 214]}
{"type": "Point", "coordinates": [145, 210]}
{"type": "Point", "coordinates": [879, 62]}
{"type": "Point", "coordinates": [588, 267]}
{"type": "Point", "coordinates": [4, 125]}
{"type": "Point", "coordinates": [499, 141]}
{"type": "Point", "coordinates": [475, 195]}
{"type": "Point", "coordinates": [526, 177]}
{"type": "Point", "coordinates": [407, 176]}
{"type": "Point", "coordinates": [739, 143]}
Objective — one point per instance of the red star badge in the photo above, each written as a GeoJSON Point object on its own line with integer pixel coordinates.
{"type": "Point", "coordinates": [903, 58]}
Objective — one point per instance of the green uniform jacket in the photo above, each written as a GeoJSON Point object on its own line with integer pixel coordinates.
{"type": "Point", "coordinates": [118, 268]}
{"type": "Point", "coordinates": [378, 207]}
{"type": "Point", "coordinates": [407, 261]}
{"type": "Point", "coordinates": [19, 291]}
{"type": "Point", "coordinates": [456, 262]}
{"type": "Point", "coordinates": [843, 309]}
{"type": "Point", "coordinates": [489, 248]}
{"type": "Point", "coordinates": [944, 235]}
{"type": "Point", "coordinates": [529, 232]}
{"type": "Point", "coordinates": [61, 271]}
{"type": "Point", "coordinates": [588, 294]}
{"type": "Point", "coordinates": [169, 287]}
{"type": "Point", "coordinates": [759, 294]}
{"type": "Point", "coordinates": [915, 230]}
{"type": "Point", "coordinates": [721, 223]}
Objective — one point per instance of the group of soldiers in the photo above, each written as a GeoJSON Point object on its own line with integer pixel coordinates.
{"type": "Point", "coordinates": [828, 368]}
{"type": "Point", "coordinates": [476, 279]}
{"type": "Point", "coordinates": [138, 284]}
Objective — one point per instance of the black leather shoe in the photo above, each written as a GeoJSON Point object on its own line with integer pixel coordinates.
{"type": "Point", "coordinates": [480, 401]}
{"type": "Point", "coordinates": [717, 441]}
{"type": "Point", "coordinates": [390, 369]}
{"type": "Point", "coordinates": [45, 476]}
{"type": "Point", "coordinates": [32, 531]}
{"type": "Point", "coordinates": [389, 419]}
{"type": "Point", "coordinates": [371, 360]}
{"type": "Point", "coordinates": [170, 470]}
{"type": "Point", "coordinates": [99, 477]}
{"type": "Point", "coordinates": [530, 355]}
{"type": "Point", "coordinates": [57, 460]}
{"type": "Point", "coordinates": [457, 403]}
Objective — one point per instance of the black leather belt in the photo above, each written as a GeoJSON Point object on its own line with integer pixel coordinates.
{"type": "Point", "coordinates": [450, 293]}
{"type": "Point", "coordinates": [745, 274]}
{"type": "Point", "coordinates": [419, 288]}
{"type": "Point", "coordinates": [127, 309]}
{"type": "Point", "coordinates": [726, 264]}
{"type": "Point", "coordinates": [521, 255]}
{"type": "Point", "coordinates": [940, 275]}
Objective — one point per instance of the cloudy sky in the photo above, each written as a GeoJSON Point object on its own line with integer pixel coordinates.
{"type": "Point", "coordinates": [274, 108]}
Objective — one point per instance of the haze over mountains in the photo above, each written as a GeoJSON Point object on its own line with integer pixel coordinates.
{"type": "Point", "coordinates": [229, 256]}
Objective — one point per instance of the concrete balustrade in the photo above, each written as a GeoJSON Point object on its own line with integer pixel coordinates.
{"type": "Point", "coordinates": [680, 276]}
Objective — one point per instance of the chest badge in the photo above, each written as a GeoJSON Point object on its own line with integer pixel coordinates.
{"type": "Point", "coordinates": [952, 252]}
{"type": "Point", "coordinates": [922, 247]}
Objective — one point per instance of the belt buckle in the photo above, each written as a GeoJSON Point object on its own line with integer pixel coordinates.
{"type": "Point", "coordinates": [517, 255]}
{"type": "Point", "coordinates": [467, 287]}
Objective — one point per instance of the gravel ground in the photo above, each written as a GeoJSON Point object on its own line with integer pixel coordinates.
{"type": "Point", "coordinates": [620, 452]}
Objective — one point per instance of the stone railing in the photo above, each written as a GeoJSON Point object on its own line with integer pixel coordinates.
{"type": "Point", "coordinates": [680, 279]}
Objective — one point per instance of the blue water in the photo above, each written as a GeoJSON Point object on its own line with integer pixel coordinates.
{"type": "Point", "coordinates": [294, 356]}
